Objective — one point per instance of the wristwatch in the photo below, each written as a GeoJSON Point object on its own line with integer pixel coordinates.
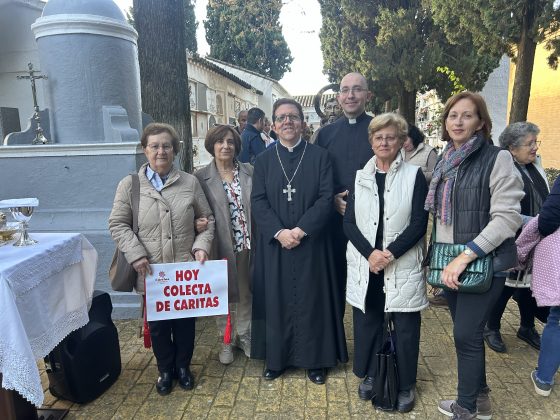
{"type": "Point", "coordinates": [468, 252]}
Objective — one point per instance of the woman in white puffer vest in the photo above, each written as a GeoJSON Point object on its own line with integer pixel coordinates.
{"type": "Point", "coordinates": [385, 222]}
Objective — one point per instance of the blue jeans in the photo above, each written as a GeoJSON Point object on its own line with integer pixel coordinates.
{"type": "Point", "coordinates": [549, 357]}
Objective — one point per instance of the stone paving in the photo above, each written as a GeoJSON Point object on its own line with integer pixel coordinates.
{"type": "Point", "coordinates": [238, 391]}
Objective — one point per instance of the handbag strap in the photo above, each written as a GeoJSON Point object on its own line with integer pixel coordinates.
{"type": "Point", "coordinates": [433, 235]}
{"type": "Point", "coordinates": [388, 327]}
{"type": "Point", "coordinates": [135, 201]}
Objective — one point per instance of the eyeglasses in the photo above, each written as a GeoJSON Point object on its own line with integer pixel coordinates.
{"type": "Point", "coordinates": [155, 147]}
{"type": "Point", "coordinates": [354, 90]}
{"type": "Point", "coordinates": [388, 139]}
{"type": "Point", "coordinates": [291, 117]}
{"type": "Point", "coordinates": [532, 145]}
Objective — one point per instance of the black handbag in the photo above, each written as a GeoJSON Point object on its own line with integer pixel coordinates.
{"type": "Point", "coordinates": [386, 384]}
{"type": "Point", "coordinates": [121, 274]}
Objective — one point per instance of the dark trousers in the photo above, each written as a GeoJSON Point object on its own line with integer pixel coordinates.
{"type": "Point", "coordinates": [173, 342]}
{"type": "Point", "coordinates": [527, 304]}
{"type": "Point", "coordinates": [470, 312]}
{"type": "Point", "coordinates": [368, 336]}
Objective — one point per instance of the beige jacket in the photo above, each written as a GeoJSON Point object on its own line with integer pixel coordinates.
{"type": "Point", "coordinates": [424, 156]}
{"type": "Point", "coordinates": [222, 247]}
{"type": "Point", "coordinates": [166, 231]}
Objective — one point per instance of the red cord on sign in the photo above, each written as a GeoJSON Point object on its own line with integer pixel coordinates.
{"type": "Point", "coordinates": [227, 332]}
{"type": "Point", "coordinates": [147, 337]}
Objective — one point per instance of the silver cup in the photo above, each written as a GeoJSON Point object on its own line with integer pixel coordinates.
{"type": "Point", "coordinates": [22, 215]}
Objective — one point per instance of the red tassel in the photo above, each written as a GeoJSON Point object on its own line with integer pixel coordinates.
{"type": "Point", "coordinates": [227, 332]}
{"type": "Point", "coordinates": [147, 337]}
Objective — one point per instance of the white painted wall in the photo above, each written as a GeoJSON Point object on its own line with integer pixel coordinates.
{"type": "Point", "coordinates": [270, 88]}
{"type": "Point", "coordinates": [495, 93]}
{"type": "Point", "coordinates": [230, 92]}
{"type": "Point", "coordinates": [224, 85]}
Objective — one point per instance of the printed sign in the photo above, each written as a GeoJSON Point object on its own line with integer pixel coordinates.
{"type": "Point", "coordinates": [186, 290]}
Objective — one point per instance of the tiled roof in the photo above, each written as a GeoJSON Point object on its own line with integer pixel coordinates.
{"type": "Point", "coordinates": [215, 60]}
{"type": "Point", "coordinates": [307, 100]}
{"type": "Point", "coordinates": [243, 69]}
{"type": "Point", "coordinates": [211, 66]}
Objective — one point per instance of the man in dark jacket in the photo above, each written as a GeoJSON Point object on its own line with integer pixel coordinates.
{"type": "Point", "coordinates": [251, 141]}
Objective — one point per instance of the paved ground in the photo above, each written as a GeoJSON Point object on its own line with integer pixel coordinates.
{"type": "Point", "coordinates": [238, 391]}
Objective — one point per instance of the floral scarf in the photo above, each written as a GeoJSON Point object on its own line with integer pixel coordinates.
{"type": "Point", "coordinates": [438, 200]}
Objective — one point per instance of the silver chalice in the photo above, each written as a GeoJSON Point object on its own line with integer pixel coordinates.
{"type": "Point", "coordinates": [22, 215]}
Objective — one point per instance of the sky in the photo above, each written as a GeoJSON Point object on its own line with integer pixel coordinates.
{"type": "Point", "coordinates": [301, 23]}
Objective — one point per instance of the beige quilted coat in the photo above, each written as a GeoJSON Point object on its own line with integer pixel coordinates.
{"type": "Point", "coordinates": [166, 231]}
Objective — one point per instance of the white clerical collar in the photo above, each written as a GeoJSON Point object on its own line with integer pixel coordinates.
{"type": "Point", "coordinates": [352, 120]}
{"type": "Point", "coordinates": [290, 149]}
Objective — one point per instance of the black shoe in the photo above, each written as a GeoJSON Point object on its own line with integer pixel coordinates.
{"type": "Point", "coordinates": [494, 340]}
{"type": "Point", "coordinates": [317, 376]}
{"type": "Point", "coordinates": [530, 336]}
{"type": "Point", "coordinates": [365, 390]}
{"type": "Point", "coordinates": [185, 378]}
{"type": "Point", "coordinates": [270, 375]}
{"type": "Point", "coordinates": [164, 383]}
{"type": "Point", "coordinates": [405, 401]}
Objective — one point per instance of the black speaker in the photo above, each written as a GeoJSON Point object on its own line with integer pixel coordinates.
{"type": "Point", "coordinates": [88, 361]}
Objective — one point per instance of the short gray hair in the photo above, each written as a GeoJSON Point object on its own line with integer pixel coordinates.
{"type": "Point", "coordinates": [515, 133]}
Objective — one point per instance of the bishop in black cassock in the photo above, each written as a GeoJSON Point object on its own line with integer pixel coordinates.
{"type": "Point", "coordinates": [346, 139]}
{"type": "Point", "coordinates": [296, 320]}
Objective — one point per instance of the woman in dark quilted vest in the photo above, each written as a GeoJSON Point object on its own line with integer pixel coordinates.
{"type": "Point", "coordinates": [520, 139]}
{"type": "Point", "coordinates": [474, 196]}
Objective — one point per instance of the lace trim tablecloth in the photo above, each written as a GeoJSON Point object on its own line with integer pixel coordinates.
{"type": "Point", "coordinates": [33, 320]}
{"type": "Point", "coordinates": [25, 267]}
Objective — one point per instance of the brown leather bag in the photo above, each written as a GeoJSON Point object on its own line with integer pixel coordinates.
{"type": "Point", "coordinates": [121, 274]}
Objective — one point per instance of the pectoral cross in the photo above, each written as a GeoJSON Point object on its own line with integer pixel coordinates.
{"type": "Point", "coordinates": [289, 190]}
{"type": "Point", "coordinates": [39, 137]}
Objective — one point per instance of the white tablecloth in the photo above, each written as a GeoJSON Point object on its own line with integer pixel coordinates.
{"type": "Point", "coordinates": [45, 294]}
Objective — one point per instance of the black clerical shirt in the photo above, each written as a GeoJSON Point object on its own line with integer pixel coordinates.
{"type": "Point", "coordinates": [348, 146]}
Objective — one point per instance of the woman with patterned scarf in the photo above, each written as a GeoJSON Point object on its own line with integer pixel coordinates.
{"type": "Point", "coordinates": [474, 197]}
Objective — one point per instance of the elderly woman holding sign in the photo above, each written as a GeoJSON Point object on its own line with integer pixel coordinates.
{"type": "Point", "coordinates": [227, 184]}
{"type": "Point", "coordinates": [170, 201]}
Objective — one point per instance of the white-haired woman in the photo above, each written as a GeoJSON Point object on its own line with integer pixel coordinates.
{"type": "Point", "coordinates": [520, 139]}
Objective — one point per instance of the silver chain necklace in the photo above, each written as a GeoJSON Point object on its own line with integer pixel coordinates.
{"type": "Point", "coordinates": [289, 190]}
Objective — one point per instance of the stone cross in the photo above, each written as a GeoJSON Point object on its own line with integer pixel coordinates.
{"type": "Point", "coordinates": [289, 191]}
{"type": "Point", "coordinates": [39, 136]}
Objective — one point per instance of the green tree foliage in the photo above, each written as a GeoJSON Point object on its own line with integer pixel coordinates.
{"type": "Point", "coordinates": [190, 24]}
{"type": "Point", "coordinates": [247, 33]}
{"type": "Point", "coordinates": [398, 47]}
{"type": "Point", "coordinates": [163, 68]}
{"type": "Point", "coordinates": [551, 175]}
{"type": "Point", "coordinates": [512, 27]}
